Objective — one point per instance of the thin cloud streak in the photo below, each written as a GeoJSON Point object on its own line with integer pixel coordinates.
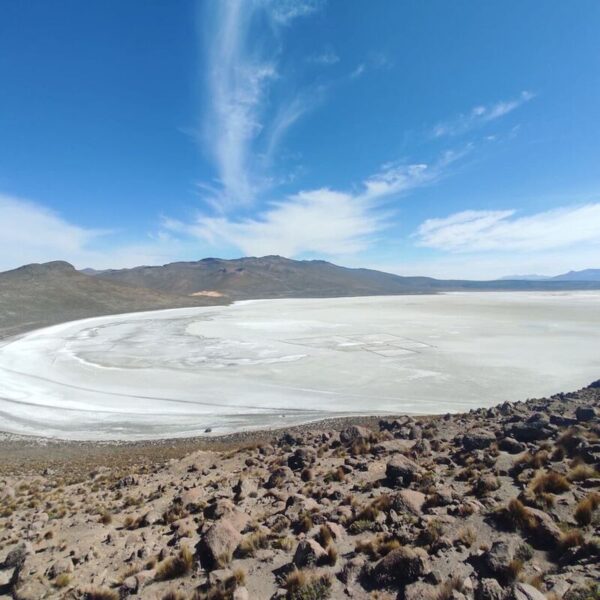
{"type": "Point", "coordinates": [479, 115]}
{"type": "Point", "coordinates": [499, 230]}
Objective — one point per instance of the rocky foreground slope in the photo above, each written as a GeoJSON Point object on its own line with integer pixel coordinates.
{"type": "Point", "coordinates": [496, 504]}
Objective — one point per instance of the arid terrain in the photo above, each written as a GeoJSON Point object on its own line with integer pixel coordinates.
{"type": "Point", "coordinates": [495, 504]}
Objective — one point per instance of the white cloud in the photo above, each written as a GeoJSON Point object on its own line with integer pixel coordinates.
{"type": "Point", "coordinates": [237, 84]}
{"type": "Point", "coordinates": [473, 230]}
{"type": "Point", "coordinates": [480, 115]}
{"type": "Point", "coordinates": [326, 58]}
{"type": "Point", "coordinates": [321, 221]}
{"type": "Point", "coordinates": [30, 232]}
{"type": "Point", "coordinates": [358, 71]}
{"type": "Point", "coordinates": [284, 11]}
{"type": "Point", "coordinates": [374, 60]}
{"type": "Point", "coordinates": [240, 75]}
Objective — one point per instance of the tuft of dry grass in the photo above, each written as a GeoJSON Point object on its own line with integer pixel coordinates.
{"type": "Point", "coordinates": [305, 523]}
{"type": "Point", "coordinates": [63, 580]}
{"type": "Point", "coordinates": [332, 555]}
{"type": "Point", "coordinates": [175, 566]}
{"type": "Point", "coordinates": [303, 584]}
{"type": "Point", "coordinates": [545, 482]}
{"type": "Point", "coordinates": [253, 542]}
{"type": "Point", "coordinates": [467, 536]}
{"type": "Point", "coordinates": [517, 516]}
{"type": "Point", "coordinates": [571, 539]}
{"type": "Point", "coordinates": [582, 472]}
{"type": "Point", "coordinates": [377, 546]}
{"type": "Point", "coordinates": [325, 536]}
{"type": "Point", "coordinates": [584, 510]}
{"type": "Point", "coordinates": [532, 461]}
{"type": "Point", "coordinates": [105, 517]}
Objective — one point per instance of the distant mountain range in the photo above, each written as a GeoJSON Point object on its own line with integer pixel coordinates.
{"type": "Point", "coordinates": [585, 275]}
{"type": "Point", "coordinates": [279, 277]}
{"type": "Point", "coordinates": [41, 294]}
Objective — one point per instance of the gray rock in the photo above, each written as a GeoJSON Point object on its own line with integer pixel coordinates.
{"type": "Point", "coordinates": [409, 501]}
{"type": "Point", "coordinates": [302, 458]}
{"type": "Point", "coordinates": [490, 589]}
{"type": "Point", "coordinates": [279, 476]}
{"type": "Point", "coordinates": [218, 544]}
{"type": "Point", "coordinates": [478, 439]}
{"type": "Point", "coordinates": [17, 555]}
{"type": "Point", "coordinates": [585, 413]}
{"type": "Point", "coordinates": [353, 434]}
{"type": "Point", "coordinates": [400, 567]}
{"type": "Point", "coordinates": [512, 446]}
{"type": "Point", "coordinates": [60, 567]}
{"type": "Point", "coordinates": [498, 558]}
{"type": "Point", "coordinates": [245, 487]}
{"type": "Point", "coordinates": [524, 591]}
{"type": "Point", "coordinates": [547, 532]}
{"type": "Point", "coordinates": [401, 470]}
{"type": "Point", "coordinates": [308, 554]}
{"type": "Point", "coordinates": [421, 591]}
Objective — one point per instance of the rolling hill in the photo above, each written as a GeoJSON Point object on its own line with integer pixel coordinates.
{"type": "Point", "coordinates": [43, 294]}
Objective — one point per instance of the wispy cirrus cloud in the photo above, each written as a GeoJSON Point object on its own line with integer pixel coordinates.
{"type": "Point", "coordinates": [479, 115]}
{"type": "Point", "coordinates": [326, 58]}
{"type": "Point", "coordinates": [503, 231]}
{"type": "Point", "coordinates": [373, 61]}
{"type": "Point", "coordinates": [238, 128]}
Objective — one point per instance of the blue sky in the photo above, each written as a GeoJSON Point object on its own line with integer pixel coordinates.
{"type": "Point", "coordinates": [453, 139]}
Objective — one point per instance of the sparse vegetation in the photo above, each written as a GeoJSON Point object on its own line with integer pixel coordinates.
{"type": "Point", "coordinates": [586, 507]}
{"type": "Point", "coordinates": [308, 585]}
{"type": "Point", "coordinates": [175, 566]}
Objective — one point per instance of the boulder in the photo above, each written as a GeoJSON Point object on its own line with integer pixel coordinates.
{"type": "Point", "coordinates": [17, 555]}
{"type": "Point", "coordinates": [546, 531]}
{"type": "Point", "coordinates": [308, 554]}
{"type": "Point", "coordinates": [190, 498]}
{"type": "Point", "coordinates": [478, 439]}
{"type": "Point", "coordinates": [401, 470]}
{"type": "Point", "coordinates": [302, 458]}
{"type": "Point", "coordinates": [245, 487]}
{"type": "Point", "coordinates": [537, 427]}
{"type": "Point", "coordinates": [60, 567]}
{"type": "Point", "coordinates": [524, 591]}
{"type": "Point", "coordinates": [278, 477]}
{"type": "Point", "coordinates": [353, 434]}
{"type": "Point", "coordinates": [409, 501]}
{"type": "Point", "coordinates": [352, 569]}
{"type": "Point", "coordinates": [421, 591]}
{"type": "Point", "coordinates": [490, 589]}
{"type": "Point", "coordinates": [218, 544]}
{"type": "Point", "coordinates": [585, 413]}
{"type": "Point", "coordinates": [512, 446]}
{"type": "Point", "coordinates": [498, 558]}
{"type": "Point", "coordinates": [400, 567]}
